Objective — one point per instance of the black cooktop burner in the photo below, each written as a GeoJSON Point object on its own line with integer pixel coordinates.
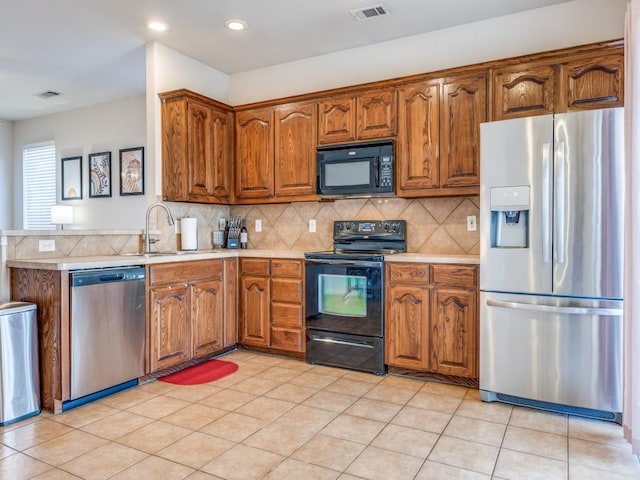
{"type": "Point", "coordinates": [366, 240]}
{"type": "Point", "coordinates": [349, 255]}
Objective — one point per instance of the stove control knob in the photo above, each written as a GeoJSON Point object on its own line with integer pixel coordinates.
{"type": "Point", "coordinates": [340, 226]}
{"type": "Point", "coordinates": [385, 226]}
{"type": "Point", "coordinates": [394, 227]}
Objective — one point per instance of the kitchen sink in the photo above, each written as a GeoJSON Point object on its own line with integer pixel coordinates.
{"type": "Point", "coordinates": [157, 254]}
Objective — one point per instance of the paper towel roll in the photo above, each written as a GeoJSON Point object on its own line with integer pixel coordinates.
{"type": "Point", "coordinates": [189, 231]}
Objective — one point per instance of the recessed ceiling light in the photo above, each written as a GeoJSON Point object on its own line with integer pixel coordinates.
{"type": "Point", "coordinates": [158, 26]}
{"type": "Point", "coordinates": [235, 24]}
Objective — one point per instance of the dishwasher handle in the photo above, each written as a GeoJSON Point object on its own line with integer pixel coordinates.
{"type": "Point", "coordinates": [112, 277]}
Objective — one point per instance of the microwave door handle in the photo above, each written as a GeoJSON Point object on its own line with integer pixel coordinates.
{"type": "Point", "coordinates": [376, 168]}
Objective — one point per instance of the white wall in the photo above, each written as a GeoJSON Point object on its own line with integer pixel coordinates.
{"type": "Point", "coordinates": [169, 70]}
{"type": "Point", "coordinates": [107, 126]}
{"type": "Point", "coordinates": [6, 173]}
{"type": "Point", "coordinates": [567, 24]}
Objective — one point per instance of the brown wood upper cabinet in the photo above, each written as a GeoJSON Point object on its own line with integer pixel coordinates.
{"type": "Point", "coordinates": [579, 82]}
{"type": "Point", "coordinates": [439, 136]}
{"type": "Point", "coordinates": [594, 82]}
{"type": "Point", "coordinates": [362, 116]}
{"type": "Point", "coordinates": [275, 151]}
{"type": "Point", "coordinates": [522, 91]}
{"type": "Point", "coordinates": [197, 146]}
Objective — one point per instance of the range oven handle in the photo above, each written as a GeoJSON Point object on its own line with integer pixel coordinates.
{"type": "Point", "coordinates": [341, 342]}
{"type": "Point", "coordinates": [347, 263]}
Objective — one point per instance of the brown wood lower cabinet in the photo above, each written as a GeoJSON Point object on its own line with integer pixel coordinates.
{"type": "Point", "coordinates": [431, 318]}
{"type": "Point", "coordinates": [187, 305]}
{"type": "Point", "coordinates": [271, 304]}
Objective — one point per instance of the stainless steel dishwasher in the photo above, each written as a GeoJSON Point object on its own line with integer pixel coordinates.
{"type": "Point", "coordinates": [107, 331]}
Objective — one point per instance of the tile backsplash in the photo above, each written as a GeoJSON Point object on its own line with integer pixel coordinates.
{"type": "Point", "coordinates": [434, 225]}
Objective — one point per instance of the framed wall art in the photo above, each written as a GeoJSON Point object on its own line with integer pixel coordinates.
{"type": "Point", "coordinates": [71, 183]}
{"type": "Point", "coordinates": [132, 171]}
{"type": "Point", "coordinates": [100, 174]}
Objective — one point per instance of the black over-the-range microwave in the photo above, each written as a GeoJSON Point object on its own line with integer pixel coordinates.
{"type": "Point", "coordinates": [357, 169]}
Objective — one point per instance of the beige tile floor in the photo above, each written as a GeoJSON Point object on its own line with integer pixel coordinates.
{"type": "Point", "coordinates": [279, 419]}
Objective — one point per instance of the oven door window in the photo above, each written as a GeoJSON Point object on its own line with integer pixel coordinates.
{"type": "Point", "coordinates": [344, 298]}
{"type": "Point", "coordinates": [344, 295]}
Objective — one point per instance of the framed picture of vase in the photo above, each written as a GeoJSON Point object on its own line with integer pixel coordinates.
{"type": "Point", "coordinates": [100, 174]}
{"type": "Point", "coordinates": [71, 178]}
{"type": "Point", "coordinates": [132, 171]}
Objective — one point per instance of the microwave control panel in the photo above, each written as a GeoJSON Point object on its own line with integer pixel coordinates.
{"type": "Point", "coordinates": [386, 171]}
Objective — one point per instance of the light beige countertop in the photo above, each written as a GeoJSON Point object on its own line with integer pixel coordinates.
{"type": "Point", "coordinates": [105, 261]}
{"type": "Point", "coordinates": [433, 258]}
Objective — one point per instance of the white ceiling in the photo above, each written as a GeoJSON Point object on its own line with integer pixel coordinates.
{"type": "Point", "coordinates": [93, 50]}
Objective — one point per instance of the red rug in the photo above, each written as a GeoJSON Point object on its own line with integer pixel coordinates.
{"type": "Point", "coordinates": [203, 373]}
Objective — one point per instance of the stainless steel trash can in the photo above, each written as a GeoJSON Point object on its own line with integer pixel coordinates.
{"type": "Point", "coordinates": [19, 369]}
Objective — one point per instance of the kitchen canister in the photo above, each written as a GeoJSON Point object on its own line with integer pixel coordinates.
{"type": "Point", "coordinates": [189, 232]}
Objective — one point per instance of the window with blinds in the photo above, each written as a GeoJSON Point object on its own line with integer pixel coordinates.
{"type": "Point", "coordinates": [39, 185]}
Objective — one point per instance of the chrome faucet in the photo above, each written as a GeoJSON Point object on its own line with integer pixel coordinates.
{"type": "Point", "coordinates": [147, 236]}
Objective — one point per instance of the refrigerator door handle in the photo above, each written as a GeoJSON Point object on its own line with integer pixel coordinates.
{"type": "Point", "coordinates": [560, 194]}
{"type": "Point", "coordinates": [611, 312]}
{"type": "Point", "coordinates": [546, 200]}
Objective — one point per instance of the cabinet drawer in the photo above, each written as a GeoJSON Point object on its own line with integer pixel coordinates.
{"type": "Point", "coordinates": [408, 273]}
{"type": "Point", "coordinates": [254, 266]}
{"type": "Point", "coordinates": [287, 339]}
{"type": "Point", "coordinates": [286, 268]}
{"type": "Point", "coordinates": [286, 315]}
{"type": "Point", "coordinates": [454, 275]}
{"type": "Point", "coordinates": [187, 272]}
{"type": "Point", "coordinates": [286, 290]}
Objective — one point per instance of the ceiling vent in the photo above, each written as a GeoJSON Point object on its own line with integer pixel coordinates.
{"type": "Point", "coordinates": [369, 12]}
{"type": "Point", "coordinates": [47, 94]}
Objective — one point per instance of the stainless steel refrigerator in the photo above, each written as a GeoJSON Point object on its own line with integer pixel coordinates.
{"type": "Point", "coordinates": [551, 262]}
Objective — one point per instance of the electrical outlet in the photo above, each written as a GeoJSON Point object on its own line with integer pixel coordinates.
{"type": "Point", "coordinates": [46, 245]}
{"type": "Point", "coordinates": [312, 225]}
{"type": "Point", "coordinates": [472, 225]}
{"type": "Point", "coordinates": [258, 224]}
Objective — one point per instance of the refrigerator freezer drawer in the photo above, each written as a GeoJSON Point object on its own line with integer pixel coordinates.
{"type": "Point", "coordinates": [560, 350]}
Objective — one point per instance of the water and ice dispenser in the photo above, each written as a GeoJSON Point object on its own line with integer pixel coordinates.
{"type": "Point", "coordinates": [510, 217]}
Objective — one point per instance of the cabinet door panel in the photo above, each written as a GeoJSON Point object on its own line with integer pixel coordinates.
{"type": "Point", "coordinates": [169, 325]}
{"type": "Point", "coordinates": [174, 150]}
{"type": "Point", "coordinates": [453, 332]}
{"type": "Point", "coordinates": [464, 108]}
{"type": "Point", "coordinates": [254, 153]}
{"type": "Point", "coordinates": [417, 150]}
{"type": "Point", "coordinates": [221, 153]}
{"type": "Point", "coordinates": [376, 114]}
{"type": "Point", "coordinates": [337, 120]}
{"type": "Point", "coordinates": [207, 317]}
{"type": "Point", "coordinates": [592, 83]}
{"type": "Point", "coordinates": [289, 339]}
{"type": "Point", "coordinates": [286, 290]}
{"type": "Point", "coordinates": [254, 310]}
{"type": "Point", "coordinates": [407, 327]}
{"type": "Point", "coordinates": [527, 91]}
{"type": "Point", "coordinates": [199, 149]}
{"type": "Point", "coordinates": [287, 314]}
{"type": "Point", "coordinates": [295, 149]}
